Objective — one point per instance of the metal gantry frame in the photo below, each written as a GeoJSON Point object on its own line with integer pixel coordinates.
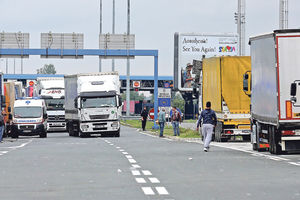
{"type": "Point", "coordinates": [93, 52]}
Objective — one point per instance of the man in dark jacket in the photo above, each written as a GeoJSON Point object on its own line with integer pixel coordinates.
{"type": "Point", "coordinates": [209, 121]}
{"type": "Point", "coordinates": [144, 115]}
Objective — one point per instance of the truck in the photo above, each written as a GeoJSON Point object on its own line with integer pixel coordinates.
{"type": "Point", "coordinates": [12, 90]}
{"type": "Point", "coordinates": [275, 96]}
{"type": "Point", "coordinates": [222, 85]}
{"type": "Point", "coordinates": [93, 104]}
{"type": "Point", "coordinates": [29, 118]}
{"type": "Point", "coordinates": [52, 90]}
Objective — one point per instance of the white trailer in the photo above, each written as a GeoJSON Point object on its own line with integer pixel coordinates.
{"type": "Point", "coordinates": [52, 90]}
{"type": "Point", "coordinates": [275, 96]}
{"type": "Point", "coordinates": [93, 104]}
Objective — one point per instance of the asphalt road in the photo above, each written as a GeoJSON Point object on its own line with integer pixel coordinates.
{"type": "Point", "coordinates": [139, 166]}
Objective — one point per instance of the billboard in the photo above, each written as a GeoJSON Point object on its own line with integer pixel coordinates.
{"type": "Point", "coordinates": [189, 50]}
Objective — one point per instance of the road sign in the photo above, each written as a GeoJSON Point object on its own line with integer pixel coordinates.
{"type": "Point", "coordinates": [164, 102]}
{"type": "Point", "coordinates": [136, 84]}
{"type": "Point", "coordinates": [164, 92]}
{"type": "Point", "coordinates": [151, 113]}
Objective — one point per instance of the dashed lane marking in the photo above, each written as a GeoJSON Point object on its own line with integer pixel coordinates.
{"type": "Point", "coordinates": [146, 172]}
{"type": "Point", "coordinates": [136, 166]}
{"type": "Point", "coordinates": [154, 180]}
{"type": "Point", "coordinates": [140, 180]}
{"type": "Point", "coordinates": [148, 191]}
{"type": "Point", "coordinates": [131, 160]}
{"type": "Point", "coordinates": [135, 172]}
{"type": "Point", "coordinates": [295, 163]}
{"type": "Point", "coordinates": [125, 153]}
{"type": "Point", "coordinates": [162, 190]}
{"type": "Point", "coordinates": [128, 156]}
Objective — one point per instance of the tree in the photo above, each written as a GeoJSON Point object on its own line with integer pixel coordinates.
{"type": "Point", "coordinates": [179, 102]}
{"type": "Point", "coordinates": [47, 69]}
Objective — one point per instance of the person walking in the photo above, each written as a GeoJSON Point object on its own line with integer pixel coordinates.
{"type": "Point", "coordinates": [1, 125]}
{"type": "Point", "coordinates": [144, 115]}
{"type": "Point", "coordinates": [175, 119]}
{"type": "Point", "coordinates": [161, 121]}
{"type": "Point", "coordinates": [209, 122]}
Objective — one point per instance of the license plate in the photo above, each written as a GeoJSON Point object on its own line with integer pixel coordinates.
{"type": "Point", "coordinates": [26, 131]}
{"type": "Point", "coordinates": [99, 126]}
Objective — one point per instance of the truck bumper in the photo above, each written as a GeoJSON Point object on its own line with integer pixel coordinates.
{"type": "Point", "coordinates": [56, 126]}
{"type": "Point", "coordinates": [290, 143]}
{"type": "Point", "coordinates": [99, 127]}
{"type": "Point", "coordinates": [229, 132]}
{"type": "Point", "coordinates": [28, 129]}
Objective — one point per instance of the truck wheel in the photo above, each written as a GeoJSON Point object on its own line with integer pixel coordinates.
{"type": "Point", "coordinates": [218, 132]}
{"type": "Point", "coordinates": [82, 135]}
{"type": "Point", "coordinates": [275, 148]}
{"type": "Point", "coordinates": [43, 134]}
{"type": "Point", "coordinates": [14, 135]}
{"type": "Point", "coordinates": [117, 133]}
{"type": "Point", "coordinates": [75, 129]}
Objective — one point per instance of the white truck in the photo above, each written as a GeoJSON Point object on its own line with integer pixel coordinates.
{"type": "Point", "coordinates": [275, 96]}
{"type": "Point", "coordinates": [93, 104]}
{"type": "Point", "coordinates": [29, 118]}
{"type": "Point", "coordinates": [52, 90]}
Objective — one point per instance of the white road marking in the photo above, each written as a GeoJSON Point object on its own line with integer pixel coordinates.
{"type": "Point", "coordinates": [118, 147]}
{"type": "Point", "coordinates": [111, 144]}
{"type": "Point", "coordinates": [140, 180]}
{"type": "Point", "coordinates": [131, 160]}
{"type": "Point", "coordinates": [154, 180]}
{"type": "Point", "coordinates": [121, 150]}
{"type": "Point", "coordinates": [149, 135]}
{"type": "Point", "coordinates": [125, 153]}
{"type": "Point", "coordinates": [146, 172]}
{"type": "Point", "coordinates": [136, 166]}
{"type": "Point", "coordinates": [295, 163]}
{"type": "Point", "coordinates": [3, 152]}
{"type": "Point", "coordinates": [135, 172]}
{"type": "Point", "coordinates": [20, 146]}
{"type": "Point", "coordinates": [161, 190]}
{"type": "Point", "coordinates": [128, 156]}
{"type": "Point", "coordinates": [148, 191]}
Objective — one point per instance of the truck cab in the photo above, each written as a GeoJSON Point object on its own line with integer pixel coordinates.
{"type": "Point", "coordinates": [29, 118]}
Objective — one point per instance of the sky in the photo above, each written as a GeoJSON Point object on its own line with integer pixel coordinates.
{"type": "Point", "coordinates": [153, 23]}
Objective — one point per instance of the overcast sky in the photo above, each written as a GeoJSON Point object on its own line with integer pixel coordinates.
{"type": "Point", "coordinates": [153, 22]}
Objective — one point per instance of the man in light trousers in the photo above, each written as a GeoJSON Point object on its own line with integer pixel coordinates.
{"type": "Point", "coordinates": [209, 121]}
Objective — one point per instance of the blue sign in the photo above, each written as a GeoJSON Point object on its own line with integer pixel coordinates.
{"type": "Point", "coordinates": [164, 102]}
{"type": "Point", "coordinates": [167, 85]}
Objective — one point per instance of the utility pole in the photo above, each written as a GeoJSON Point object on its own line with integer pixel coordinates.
{"type": "Point", "coordinates": [283, 14]}
{"type": "Point", "coordinates": [6, 65]}
{"type": "Point", "coordinates": [240, 21]}
{"type": "Point", "coordinates": [128, 64]}
{"type": "Point", "coordinates": [100, 32]}
{"type": "Point", "coordinates": [113, 32]}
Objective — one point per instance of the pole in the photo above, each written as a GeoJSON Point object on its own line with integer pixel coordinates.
{"type": "Point", "coordinates": [100, 32]}
{"type": "Point", "coordinates": [128, 65]}
{"type": "Point", "coordinates": [155, 90]}
{"type": "Point", "coordinates": [21, 65]}
{"type": "Point", "coordinates": [240, 17]}
{"type": "Point", "coordinates": [6, 65]}
{"type": "Point", "coordinates": [14, 66]}
{"type": "Point", "coordinates": [283, 14]}
{"type": "Point", "coordinates": [113, 32]}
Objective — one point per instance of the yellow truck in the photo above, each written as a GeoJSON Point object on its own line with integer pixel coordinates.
{"type": "Point", "coordinates": [222, 85]}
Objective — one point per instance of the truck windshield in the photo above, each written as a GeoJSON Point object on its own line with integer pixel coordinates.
{"type": "Point", "coordinates": [55, 104]}
{"type": "Point", "coordinates": [99, 102]}
{"type": "Point", "coordinates": [28, 112]}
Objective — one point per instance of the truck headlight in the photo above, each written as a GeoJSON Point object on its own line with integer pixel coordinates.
{"type": "Point", "coordinates": [115, 124]}
{"type": "Point", "coordinates": [84, 126]}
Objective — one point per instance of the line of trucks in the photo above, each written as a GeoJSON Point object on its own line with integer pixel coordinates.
{"type": "Point", "coordinates": [82, 104]}
{"type": "Point", "coordinates": [258, 97]}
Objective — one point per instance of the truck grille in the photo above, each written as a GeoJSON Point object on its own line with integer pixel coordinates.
{"type": "Point", "coordinates": [27, 127]}
{"type": "Point", "coordinates": [56, 118]}
{"type": "Point", "coordinates": [99, 116]}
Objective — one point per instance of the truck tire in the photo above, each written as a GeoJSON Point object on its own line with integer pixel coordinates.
{"type": "Point", "coordinates": [218, 132]}
{"type": "Point", "coordinates": [75, 128]}
{"type": "Point", "coordinates": [43, 134]}
{"type": "Point", "coordinates": [117, 133]}
{"type": "Point", "coordinates": [275, 148]}
{"type": "Point", "coordinates": [83, 135]}
{"type": "Point", "coordinates": [14, 134]}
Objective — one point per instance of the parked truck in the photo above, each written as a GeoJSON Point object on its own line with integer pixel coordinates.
{"type": "Point", "coordinates": [93, 104]}
{"type": "Point", "coordinates": [223, 86]}
{"type": "Point", "coordinates": [275, 96]}
{"type": "Point", "coordinates": [52, 90]}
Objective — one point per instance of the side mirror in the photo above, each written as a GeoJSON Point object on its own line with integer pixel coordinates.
{"type": "Point", "coordinates": [10, 116]}
{"type": "Point", "coordinates": [293, 89]}
{"type": "Point", "coordinates": [76, 102]}
{"type": "Point", "coordinates": [9, 109]}
{"type": "Point", "coordinates": [245, 82]}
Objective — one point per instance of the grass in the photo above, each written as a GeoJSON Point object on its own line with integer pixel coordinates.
{"type": "Point", "coordinates": [190, 121]}
{"type": "Point", "coordinates": [184, 133]}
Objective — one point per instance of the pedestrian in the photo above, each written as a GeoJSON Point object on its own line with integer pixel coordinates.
{"type": "Point", "coordinates": [175, 119]}
{"type": "Point", "coordinates": [209, 122]}
{"type": "Point", "coordinates": [1, 125]}
{"type": "Point", "coordinates": [161, 121]}
{"type": "Point", "coordinates": [144, 115]}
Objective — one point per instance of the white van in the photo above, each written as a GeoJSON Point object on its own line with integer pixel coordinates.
{"type": "Point", "coordinates": [29, 118]}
